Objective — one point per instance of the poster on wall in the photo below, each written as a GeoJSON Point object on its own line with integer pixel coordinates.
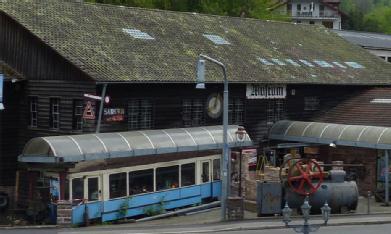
{"type": "Point", "coordinates": [261, 91]}
{"type": "Point", "coordinates": [114, 114]}
{"type": "Point", "coordinates": [1, 91]}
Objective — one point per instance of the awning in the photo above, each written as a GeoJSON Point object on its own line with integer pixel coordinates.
{"type": "Point", "coordinates": [76, 148]}
{"type": "Point", "coordinates": [326, 133]}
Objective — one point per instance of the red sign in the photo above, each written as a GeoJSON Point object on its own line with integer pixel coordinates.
{"type": "Point", "coordinates": [114, 114]}
{"type": "Point", "coordinates": [89, 112]}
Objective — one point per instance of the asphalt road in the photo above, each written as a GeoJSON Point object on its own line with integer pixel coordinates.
{"type": "Point", "coordinates": [356, 229]}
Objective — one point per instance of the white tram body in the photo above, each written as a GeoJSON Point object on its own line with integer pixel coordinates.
{"type": "Point", "coordinates": [110, 176]}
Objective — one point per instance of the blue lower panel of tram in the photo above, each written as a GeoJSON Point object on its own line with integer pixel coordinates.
{"type": "Point", "coordinates": [140, 204]}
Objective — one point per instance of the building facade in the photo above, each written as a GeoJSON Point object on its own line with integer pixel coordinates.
{"type": "Point", "coordinates": [59, 52]}
{"type": "Point", "coordinates": [322, 12]}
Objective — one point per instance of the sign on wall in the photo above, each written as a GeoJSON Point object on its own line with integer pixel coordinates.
{"type": "Point", "coordinates": [259, 91]}
{"type": "Point", "coordinates": [114, 114]}
{"type": "Point", "coordinates": [89, 112]}
{"type": "Point", "coordinates": [1, 91]}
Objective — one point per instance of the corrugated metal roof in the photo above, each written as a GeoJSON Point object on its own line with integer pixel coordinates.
{"type": "Point", "coordinates": [367, 39]}
{"type": "Point", "coordinates": [91, 37]}
{"type": "Point", "coordinates": [88, 147]}
{"type": "Point", "coordinates": [326, 133]}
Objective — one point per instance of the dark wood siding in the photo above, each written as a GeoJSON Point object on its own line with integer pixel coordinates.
{"type": "Point", "coordinates": [31, 57]}
{"type": "Point", "coordinates": [167, 101]}
{"type": "Point", "coordinates": [66, 92]}
{"type": "Point", "coordinates": [9, 132]}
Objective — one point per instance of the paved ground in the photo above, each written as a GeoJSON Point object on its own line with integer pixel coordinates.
{"type": "Point", "coordinates": [209, 222]}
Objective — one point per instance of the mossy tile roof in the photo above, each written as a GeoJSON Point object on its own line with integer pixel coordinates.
{"type": "Point", "coordinates": [92, 37]}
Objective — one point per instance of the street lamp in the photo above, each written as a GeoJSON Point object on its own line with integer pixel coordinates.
{"type": "Point", "coordinates": [306, 228]}
{"type": "Point", "coordinates": [240, 137]}
{"type": "Point", "coordinates": [224, 160]}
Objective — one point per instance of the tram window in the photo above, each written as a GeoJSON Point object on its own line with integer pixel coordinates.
{"type": "Point", "coordinates": [93, 189]}
{"type": "Point", "coordinates": [117, 185]}
{"type": "Point", "coordinates": [188, 174]}
{"type": "Point", "coordinates": [205, 172]}
{"type": "Point", "coordinates": [216, 169]}
{"type": "Point", "coordinates": [77, 188]}
{"type": "Point", "coordinates": [140, 181]}
{"type": "Point", "coordinates": [167, 177]}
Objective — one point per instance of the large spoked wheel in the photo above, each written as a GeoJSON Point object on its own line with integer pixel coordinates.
{"type": "Point", "coordinates": [305, 176]}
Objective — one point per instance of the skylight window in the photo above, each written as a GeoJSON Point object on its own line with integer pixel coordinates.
{"type": "Point", "coordinates": [278, 62]}
{"type": "Point", "coordinates": [265, 62]}
{"type": "Point", "coordinates": [323, 63]}
{"type": "Point", "coordinates": [305, 62]}
{"type": "Point", "coordinates": [135, 33]}
{"type": "Point", "coordinates": [354, 65]}
{"type": "Point", "coordinates": [292, 62]}
{"type": "Point", "coordinates": [216, 39]}
{"type": "Point", "coordinates": [339, 65]}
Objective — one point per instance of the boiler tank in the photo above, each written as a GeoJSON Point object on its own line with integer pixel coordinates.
{"type": "Point", "coordinates": [340, 195]}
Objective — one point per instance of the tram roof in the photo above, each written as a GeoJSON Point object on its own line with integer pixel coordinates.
{"type": "Point", "coordinates": [325, 133]}
{"type": "Point", "coordinates": [87, 147]}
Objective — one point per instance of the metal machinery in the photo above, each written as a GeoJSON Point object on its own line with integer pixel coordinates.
{"type": "Point", "coordinates": [306, 177]}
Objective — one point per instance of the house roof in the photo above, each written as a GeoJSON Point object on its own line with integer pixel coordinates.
{"type": "Point", "coordinates": [96, 38]}
{"type": "Point", "coordinates": [367, 39]}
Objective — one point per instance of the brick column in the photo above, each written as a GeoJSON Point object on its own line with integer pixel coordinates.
{"type": "Point", "coordinates": [64, 213]}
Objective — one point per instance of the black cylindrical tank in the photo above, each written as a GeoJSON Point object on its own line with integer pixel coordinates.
{"type": "Point", "coordinates": [340, 195]}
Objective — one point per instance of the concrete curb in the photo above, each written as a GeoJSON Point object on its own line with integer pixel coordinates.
{"type": "Point", "coordinates": [266, 227]}
{"type": "Point", "coordinates": [29, 227]}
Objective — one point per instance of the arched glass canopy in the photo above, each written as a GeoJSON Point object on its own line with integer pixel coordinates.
{"type": "Point", "coordinates": [76, 148]}
{"type": "Point", "coordinates": [326, 133]}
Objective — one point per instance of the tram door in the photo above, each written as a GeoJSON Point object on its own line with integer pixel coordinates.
{"type": "Point", "coordinates": [93, 191]}
{"type": "Point", "coordinates": [205, 171]}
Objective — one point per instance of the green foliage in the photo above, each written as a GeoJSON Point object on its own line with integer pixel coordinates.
{"type": "Point", "coordinates": [368, 15]}
{"type": "Point", "coordinates": [155, 209]}
{"type": "Point", "coordinates": [123, 209]}
{"type": "Point", "coordinates": [240, 8]}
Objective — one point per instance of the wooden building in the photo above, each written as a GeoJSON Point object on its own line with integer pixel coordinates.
{"type": "Point", "coordinates": [59, 51]}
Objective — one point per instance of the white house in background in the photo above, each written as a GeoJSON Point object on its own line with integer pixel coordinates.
{"type": "Point", "coordinates": [324, 12]}
{"type": "Point", "coordinates": [376, 43]}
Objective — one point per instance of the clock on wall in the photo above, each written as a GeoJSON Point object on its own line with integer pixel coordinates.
{"type": "Point", "coordinates": [214, 105]}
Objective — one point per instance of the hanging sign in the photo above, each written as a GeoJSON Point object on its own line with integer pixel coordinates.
{"type": "Point", "coordinates": [114, 114]}
{"type": "Point", "coordinates": [89, 112]}
{"type": "Point", "coordinates": [1, 91]}
{"type": "Point", "coordinates": [258, 91]}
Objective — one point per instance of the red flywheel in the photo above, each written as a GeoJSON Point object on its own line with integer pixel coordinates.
{"type": "Point", "coordinates": [305, 176]}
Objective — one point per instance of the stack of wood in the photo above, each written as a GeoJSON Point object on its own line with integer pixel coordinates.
{"type": "Point", "coordinates": [269, 174]}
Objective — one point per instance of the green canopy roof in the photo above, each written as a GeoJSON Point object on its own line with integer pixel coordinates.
{"type": "Point", "coordinates": [123, 44]}
{"type": "Point", "coordinates": [326, 133]}
{"type": "Point", "coordinates": [88, 147]}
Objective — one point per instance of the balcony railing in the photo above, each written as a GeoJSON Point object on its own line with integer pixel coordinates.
{"type": "Point", "coordinates": [310, 14]}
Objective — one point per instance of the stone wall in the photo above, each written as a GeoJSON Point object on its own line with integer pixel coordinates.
{"type": "Point", "coordinates": [64, 213]}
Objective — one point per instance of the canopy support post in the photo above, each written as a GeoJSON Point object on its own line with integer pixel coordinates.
{"type": "Point", "coordinates": [386, 178]}
{"type": "Point", "coordinates": [62, 176]}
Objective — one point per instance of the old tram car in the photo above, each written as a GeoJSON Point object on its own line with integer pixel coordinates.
{"type": "Point", "coordinates": [109, 176]}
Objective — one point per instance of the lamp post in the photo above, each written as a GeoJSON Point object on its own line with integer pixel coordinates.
{"type": "Point", "coordinates": [224, 160]}
{"type": "Point", "coordinates": [306, 228]}
{"type": "Point", "coordinates": [240, 137]}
